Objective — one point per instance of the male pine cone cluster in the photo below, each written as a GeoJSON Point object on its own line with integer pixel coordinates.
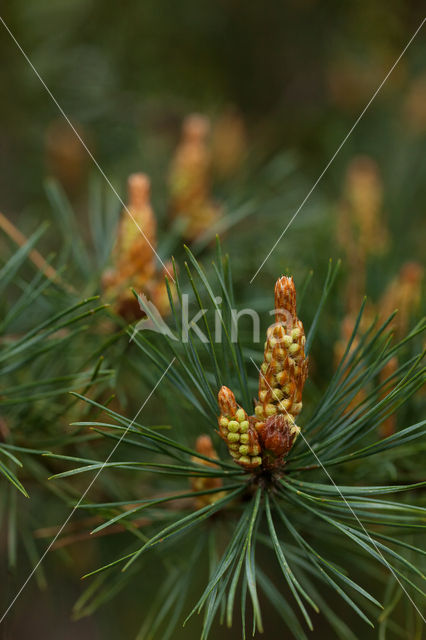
{"type": "Point", "coordinates": [265, 438]}
{"type": "Point", "coordinates": [189, 179]}
{"type": "Point", "coordinates": [135, 255]}
{"type": "Point", "coordinates": [204, 445]}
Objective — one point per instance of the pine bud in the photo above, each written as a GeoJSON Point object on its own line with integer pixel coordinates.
{"type": "Point", "coordinates": [284, 370]}
{"type": "Point", "coordinates": [405, 294]}
{"type": "Point", "coordinates": [135, 255]}
{"type": "Point", "coordinates": [235, 429]}
{"type": "Point", "coordinates": [229, 143]}
{"type": "Point", "coordinates": [267, 437]}
{"type": "Point", "coordinates": [285, 301]}
{"type": "Point", "coordinates": [137, 234]}
{"type": "Point", "coordinates": [204, 446]}
{"type": "Point", "coordinates": [190, 178]}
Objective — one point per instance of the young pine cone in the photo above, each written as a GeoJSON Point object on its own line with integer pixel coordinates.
{"type": "Point", "coordinates": [267, 437]}
{"type": "Point", "coordinates": [135, 256]}
{"type": "Point", "coordinates": [137, 233]}
{"type": "Point", "coordinates": [190, 178]}
{"type": "Point", "coordinates": [238, 433]}
{"type": "Point", "coordinates": [285, 367]}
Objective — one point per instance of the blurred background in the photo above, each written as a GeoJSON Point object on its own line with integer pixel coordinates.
{"type": "Point", "coordinates": [285, 82]}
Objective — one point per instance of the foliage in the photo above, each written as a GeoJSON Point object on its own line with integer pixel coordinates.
{"type": "Point", "coordinates": [324, 519]}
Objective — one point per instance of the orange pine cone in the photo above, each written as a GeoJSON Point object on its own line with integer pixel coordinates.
{"type": "Point", "coordinates": [267, 437]}
{"type": "Point", "coordinates": [238, 433]}
{"type": "Point", "coordinates": [137, 233]}
{"type": "Point", "coordinates": [285, 367]}
{"type": "Point", "coordinates": [189, 178]}
{"type": "Point", "coordinates": [204, 446]}
{"type": "Point", "coordinates": [135, 256]}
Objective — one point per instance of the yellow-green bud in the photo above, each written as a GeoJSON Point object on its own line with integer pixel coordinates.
{"type": "Point", "coordinates": [244, 438]}
{"type": "Point", "coordinates": [240, 415]}
{"type": "Point", "coordinates": [294, 348]}
{"type": "Point", "coordinates": [295, 429]}
{"type": "Point", "coordinates": [223, 421]}
{"type": "Point", "coordinates": [233, 437]}
{"type": "Point", "coordinates": [244, 459]}
{"type": "Point", "coordinates": [287, 340]}
{"type": "Point", "coordinates": [244, 449]}
{"type": "Point", "coordinates": [281, 377]}
{"type": "Point", "coordinates": [256, 460]}
{"type": "Point", "coordinates": [270, 410]}
{"type": "Point", "coordinates": [284, 405]}
{"type": "Point", "coordinates": [259, 410]}
{"type": "Point", "coordinates": [233, 426]}
{"type": "Point", "coordinates": [244, 425]}
{"type": "Point", "coordinates": [295, 333]}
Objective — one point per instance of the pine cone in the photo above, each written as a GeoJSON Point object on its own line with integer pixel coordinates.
{"type": "Point", "coordinates": [267, 437]}
{"type": "Point", "coordinates": [204, 446]}
{"type": "Point", "coordinates": [238, 433]}
{"type": "Point", "coordinates": [285, 367]}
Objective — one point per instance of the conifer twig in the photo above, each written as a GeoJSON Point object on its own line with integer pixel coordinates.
{"type": "Point", "coordinates": [35, 256]}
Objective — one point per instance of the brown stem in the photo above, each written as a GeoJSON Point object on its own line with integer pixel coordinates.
{"type": "Point", "coordinates": [35, 256]}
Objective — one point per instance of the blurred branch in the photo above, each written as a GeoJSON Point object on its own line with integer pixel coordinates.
{"type": "Point", "coordinates": [35, 256]}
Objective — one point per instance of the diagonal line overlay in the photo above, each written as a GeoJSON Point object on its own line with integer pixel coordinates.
{"type": "Point", "coordinates": [385, 562]}
{"type": "Point", "coordinates": [75, 507]}
{"type": "Point", "coordinates": [345, 139]}
{"type": "Point", "coordinates": [90, 154]}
